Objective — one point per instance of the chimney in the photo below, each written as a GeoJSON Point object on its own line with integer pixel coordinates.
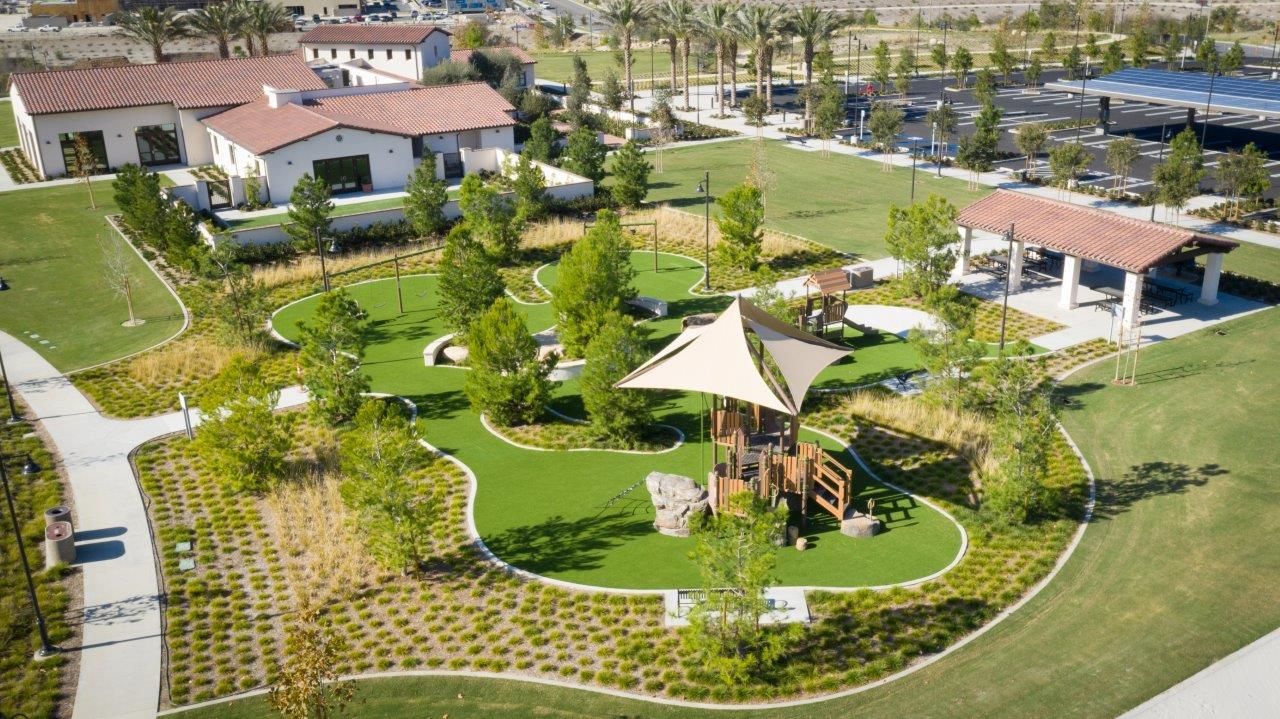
{"type": "Point", "coordinates": [279, 97]}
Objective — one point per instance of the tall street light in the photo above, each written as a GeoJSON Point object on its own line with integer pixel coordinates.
{"type": "Point", "coordinates": [47, 649]}
{"type": "Point", "coordinates": [1159, 160]}
{"type": "Point", "coordinates": [704, 189]}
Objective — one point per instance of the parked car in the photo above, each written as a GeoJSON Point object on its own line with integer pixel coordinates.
{"type": "Point", "coordinates": [316, 18]}
{"type": "Point", "coordinates": [18, 29]}
{"type": "Point", "coordinates": [50, 28]}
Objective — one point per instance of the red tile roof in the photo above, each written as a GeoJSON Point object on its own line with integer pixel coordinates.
{"type": "Point", "coordinates": [464, 55]}
{"type": "Point", "coordinates": [435, 110]}
{"type": "Point", "coordinates": [1086, 232]}
{"type": "Point", "coordinates": [358, 33]}
{"type": "Point", "coordinates": [186, 85]}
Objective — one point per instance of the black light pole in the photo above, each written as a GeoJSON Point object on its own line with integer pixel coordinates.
{"type": "Point", "coordinates": [704, 188]}
{"type": "Point", "coordinates": [14, 417]}
{"type": "Point", "coordinates": [848, 62]}
{"type": "Point", "coordinates": [47, 648]}
{"type": "Point", "coordinates": [1004, 312]}
{"type": "Point", "coordinates": [942, 74]}
{"type": "Point", "coordinates": [1158, 161]}
{"type": "Point", "coordinates": [1208, 102]}
{"type": "Point", "coordinates": [1084, 80]}
{"type": "Point", "coordinates": [324, 273]}
{"type": "Point", "coordinates": [915, 70]}
{"type": "Point", "coordinates": [914, 141]}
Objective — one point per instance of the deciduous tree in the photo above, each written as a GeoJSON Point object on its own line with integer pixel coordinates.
{"type": "Point", "coordinates": [922, 237]}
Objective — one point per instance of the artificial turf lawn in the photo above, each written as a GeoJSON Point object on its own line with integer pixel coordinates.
{"type": "Point", "coordinates": [1176, 571]}
{"type": "Point", "coordinates": [8, 125]}
{"type": "Point", "coordinates": [52, 255]}
{"type": "Point", "coordinates": [839, 201]}
{"type": "Point", "coordinates": [546, 511]}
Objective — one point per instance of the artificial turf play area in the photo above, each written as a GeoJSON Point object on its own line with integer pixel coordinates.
{"type": "Point", "coordinates": [586, 516]}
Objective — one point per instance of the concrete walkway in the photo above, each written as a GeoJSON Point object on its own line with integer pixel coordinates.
{"type": "Point", "coordinates": [120, 656]}
{"type": "Point", "coordinates": [1242, 686]}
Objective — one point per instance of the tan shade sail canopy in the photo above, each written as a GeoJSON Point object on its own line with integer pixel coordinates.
{"type": "Point", "coordinates": [718, 358]}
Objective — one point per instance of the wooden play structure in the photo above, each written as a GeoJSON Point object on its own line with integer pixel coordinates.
{"type": "Point", "coordinates": [824, 312]}
{"type": "Point", "coordinates": [762, 454]}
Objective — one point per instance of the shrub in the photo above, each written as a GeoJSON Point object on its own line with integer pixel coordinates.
{"type": "Point", "coordinates": [507, 380]}
{"type": "Point", "coordinates": [616, 350]}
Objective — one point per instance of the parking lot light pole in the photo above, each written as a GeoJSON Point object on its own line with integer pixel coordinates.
{"type": "Point", "coordinates": [914, 142]}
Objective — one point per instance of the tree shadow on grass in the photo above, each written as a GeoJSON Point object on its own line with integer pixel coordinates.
{"type": "Point", "coordinates": [558, 544]}
{"type": "Point", "coordinates": [441, 405]}
{"type": "Point", "coordinates": [1150, 479]}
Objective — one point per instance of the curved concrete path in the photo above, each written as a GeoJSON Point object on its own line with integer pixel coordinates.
{"type": "Point", "coordinates": [120, 652]}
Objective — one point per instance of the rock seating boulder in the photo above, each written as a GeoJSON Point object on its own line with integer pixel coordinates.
{"type": "Point", "coordinates": [675, 500]}
{"type": "Point", "coordinates": [860, 525]}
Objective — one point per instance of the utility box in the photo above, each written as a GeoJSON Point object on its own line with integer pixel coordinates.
{"type": "Point", "coordinates": [861, 277]}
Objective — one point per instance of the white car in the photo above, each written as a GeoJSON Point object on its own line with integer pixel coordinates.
{"type": "Point", "coordinates": [50, 28]}
{"type": "Point", "coordinates": [18, 29]}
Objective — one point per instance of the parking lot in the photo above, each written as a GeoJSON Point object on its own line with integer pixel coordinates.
{"type": "Point", "coordinates": [1144, 121]}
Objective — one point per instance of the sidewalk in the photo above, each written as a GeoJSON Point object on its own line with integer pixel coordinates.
{"type": "Point", "coordinates": [120, 655]}
{"type": "Point", "coordinates": [1243, 685]}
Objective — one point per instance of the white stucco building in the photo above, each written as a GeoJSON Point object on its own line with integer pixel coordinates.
{"type": "Point", "coordinates": [358, 139]}
{"type": "Point", "coordinates": [146, 114]}
{"type": "Point", "coordinates": [400, 49]}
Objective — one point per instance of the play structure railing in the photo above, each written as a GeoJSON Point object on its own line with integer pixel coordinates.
{"type": "Point", "coordinates": [809, 473]}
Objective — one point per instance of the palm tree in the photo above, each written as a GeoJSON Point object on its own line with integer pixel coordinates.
{"type": "Point", "coordinates": [667, 25]}
{"type": "Point", "coordinates": [263, 19]}
{"type": "Point", "coordinates": [760, 26]}
{"type": "Point", "coordinates": [814, 27]}
{"type": "Point", "coordinates": [218, 21]}
{"type": "Point", "coordinates": [626, 16]}
{"type": "Point", "coordinates": [681, 18]}
{"type": "Point", "coordinates": [716, 21]}
{"type": "Point", "coordinates": [153, 27]}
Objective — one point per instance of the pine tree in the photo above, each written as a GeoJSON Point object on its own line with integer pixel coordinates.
{"type": "Point", "coordinates": [469, 281]}
{"type": "Point", "coordinates": [617, 414]}
{"type": "Point", "coordinates": [630, 176]}
{"type": "Point", "coordinates": [491, 218]}
{"type": "Point", "coordinates": [530, 186]}
{"type": "Point", "coordinates": [309, 210]}
{"type": "Point", "coordinates": [427, 195]}
{"type": "Point", "coordinates": [507, 381]}
{"type": "Point", "coordinates": [585, 154]}
{"type": "Point", "coordinates": [333, 343]}
{"type": "Point", "coordinates": [595, 278]}
{"type": "Point", "coordinates": [541, 145]}
{"type": "Point", "coordinates": [613, 95]}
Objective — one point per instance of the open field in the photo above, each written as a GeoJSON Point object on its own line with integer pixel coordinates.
{"type": "Point", "coordinates": [1170, 576]}
{"type": "Point", "coordinates": [839, 201]}
{"type": "Point", "coordinates": [54, 252]}
{"type": "Point", "coordinates": [1255, 261]}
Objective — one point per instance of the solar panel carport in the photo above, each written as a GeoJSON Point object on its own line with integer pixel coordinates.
{"type": "Point", "coordinates": [1192, 90]}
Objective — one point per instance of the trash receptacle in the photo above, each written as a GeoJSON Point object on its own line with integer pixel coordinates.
{"type": "Point", "coordinates": [60, 513]}
{"type": "Point", "coordinates": [59, 544]}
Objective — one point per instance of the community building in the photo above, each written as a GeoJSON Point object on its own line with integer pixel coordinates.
{"type": "Point", "coordinates": [145, 114]}
{"type": "Point", "coordinates": [358, 141]}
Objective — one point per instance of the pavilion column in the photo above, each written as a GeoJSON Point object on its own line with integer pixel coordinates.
{"type": "Point", "coordinates": [1191, 116]}
{"type": "Point", "coordinates": [1070, 283]}
{"type": "Point", "coordinates": [1104, 114]}
{"type": "Point", "coordinates": [1132, 300]}
{"type": "Point", "coordinates": [1212, 275]}
{"type": "Point", "coordinates": [966, 249]}
{"type": "Point", "coordinates": [1015, 266]}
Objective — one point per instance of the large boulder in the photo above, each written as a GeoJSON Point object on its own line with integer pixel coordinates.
{"type": "Point", "coordinates": [675, 500]}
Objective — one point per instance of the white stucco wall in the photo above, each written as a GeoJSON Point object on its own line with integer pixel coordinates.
{"type": "Point", "coordinates": [390, 159]}
{"type": "Point", "coordinates": [117, 127]}
{"type": "Point", "coordinates": [405, 60]}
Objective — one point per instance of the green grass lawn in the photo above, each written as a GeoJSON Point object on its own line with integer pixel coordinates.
{"type": "Point", "coordinates": [558, 66]}
{"type": "Point", "coordinates": [8, 126]}
{"type": "Point", "coordinates": [544, 511]}
{"type": "Point", "coordinates": [1175, 572]}
{"type": "Point", "coordinates": [1253, 260]}
{"type": "Point", "coordinates": [839, 201]}
{"type": "Point", "coordinates": [53, 253]}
